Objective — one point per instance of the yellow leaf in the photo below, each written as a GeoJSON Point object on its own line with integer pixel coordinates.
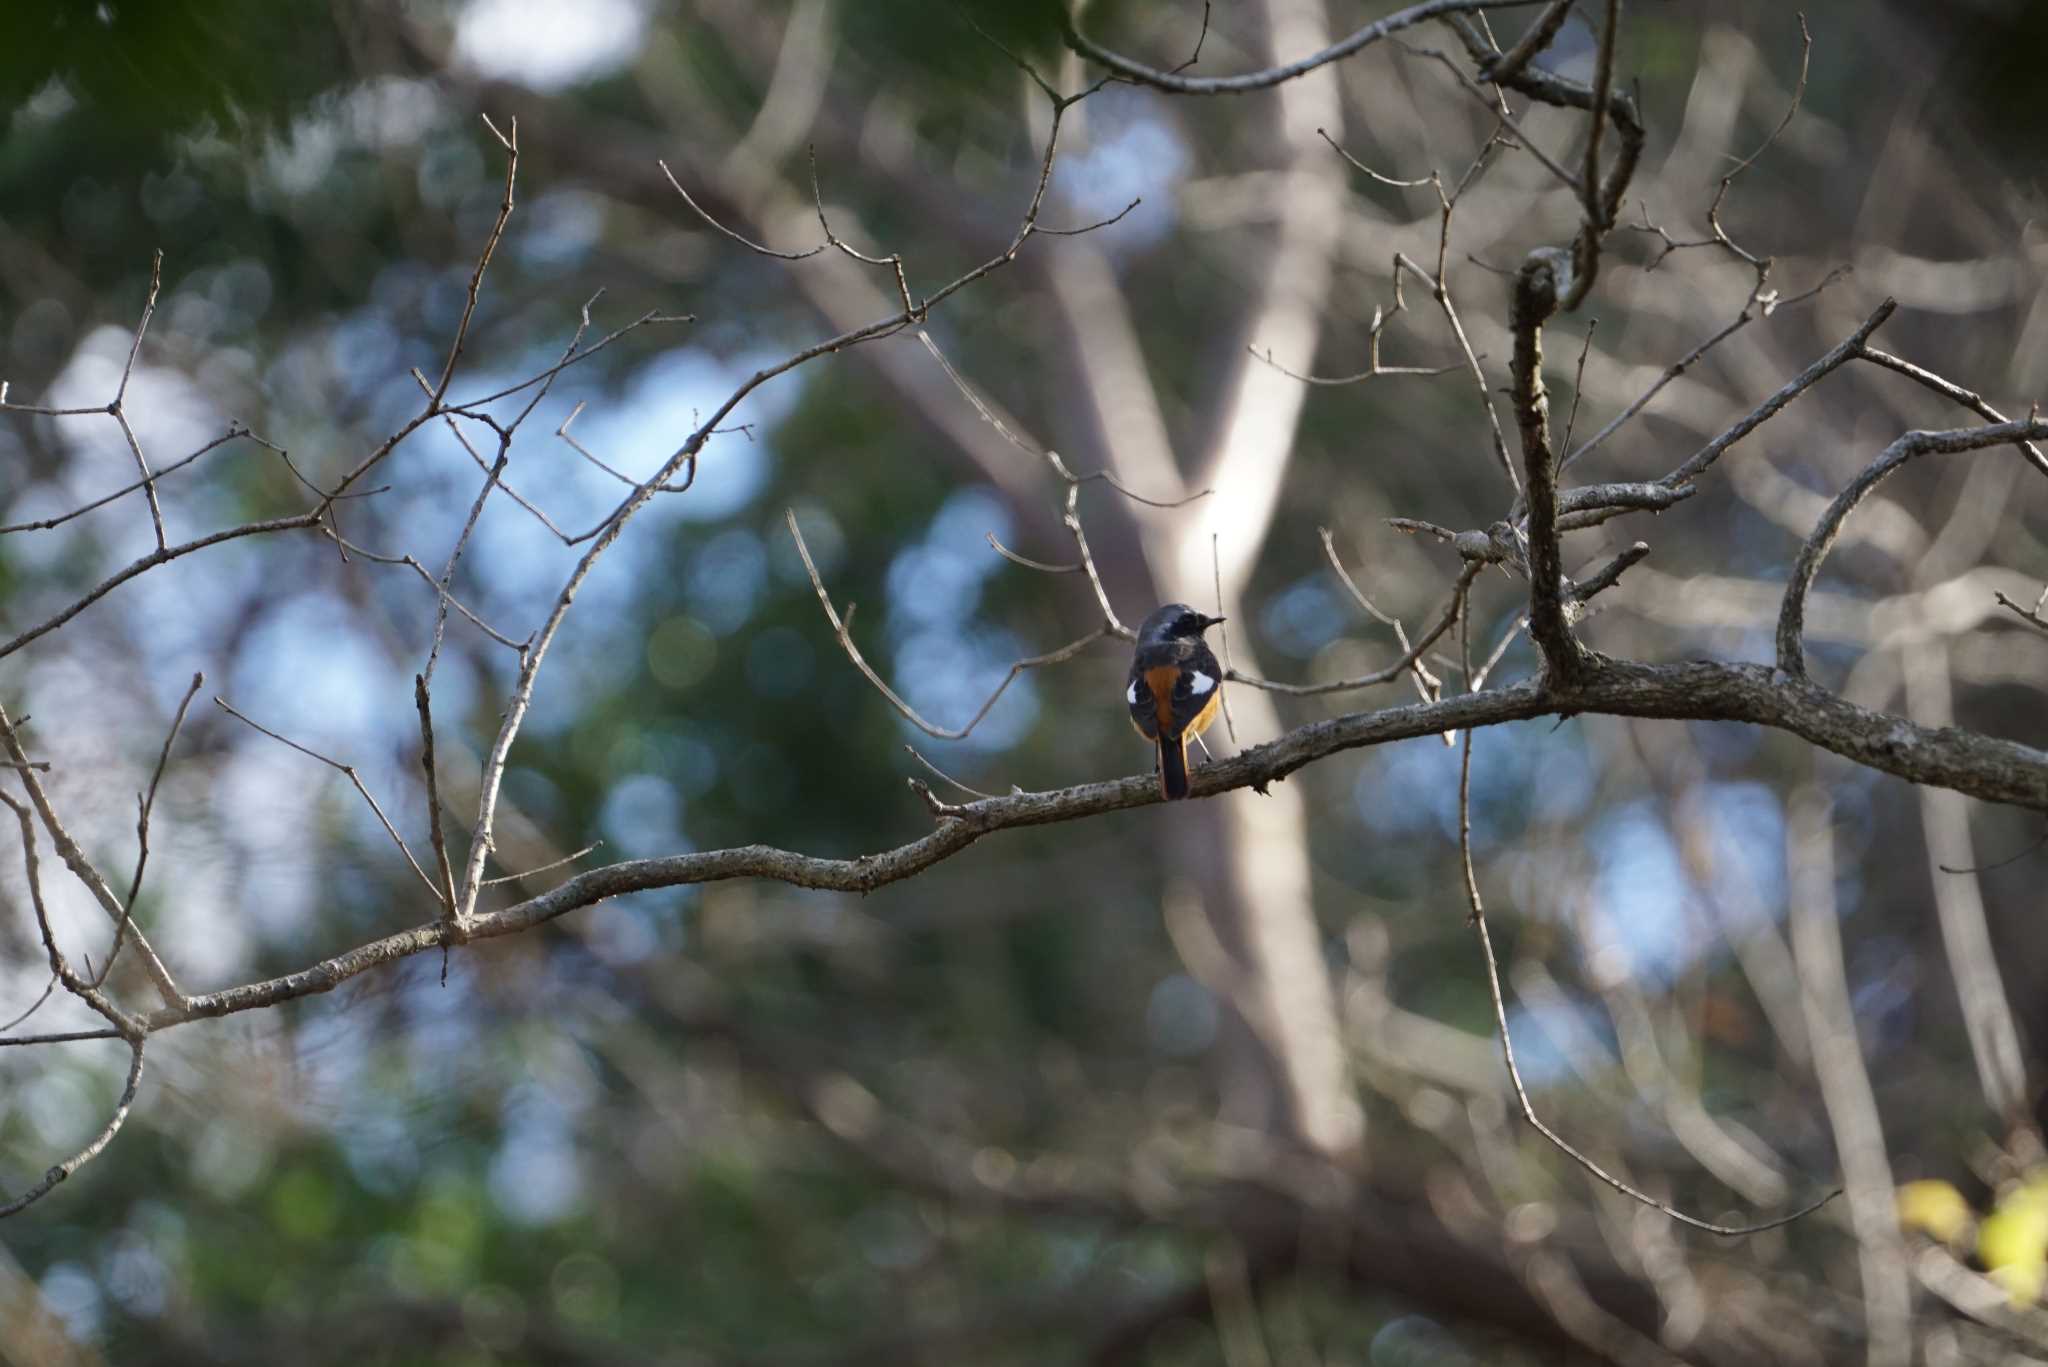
{"type": "Point", "coordinates": [2013, 1242]}
{"type": "Point", "coordinates": [1936, 1208]}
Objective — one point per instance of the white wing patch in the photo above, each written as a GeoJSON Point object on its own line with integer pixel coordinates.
{"type": "Point", "coordinates": [1199, 683]}
{"type": "Point", "coordinates": [1131, 693]}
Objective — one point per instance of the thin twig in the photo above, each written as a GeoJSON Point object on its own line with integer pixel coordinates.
{"type": "Point", "coordinates": [542, 868]}
{"type": "Point", "coordinates": [44, 524]}
{"type": "Point", "coordinates": [844, 633]}
{"type": "Point", "coordinates": [1222, 632]}
{"type": "Point", "coordinates": [1027, 562]}
{"type": "Point", "coordinates": [118, 408]}
{"type": "Point", "coordinates": [1427, 685]}
{"type": "Point", "coordinates": [145, 803]}
{"type": "Point", "coordinates": [353, 777]}
{"type": "Point", "coordinates": [943, 775]}
{"type": "Point", "coordinates": [424, 704]}
{"type": "Point", "coordinates": [510, 142]}
{"type": "Point", "coordinates": [749, 244]}
{"type": "Point", "coordinates": [580, 449]}
{"type": "Point", "coordinates": [1578, 392]}
{"type": "Point", "coordinates": [92, 1150]}
{"type": "Point", "coordinates": [33, 1007]}
{"type": "Point", "coordinates": [1408, 659]}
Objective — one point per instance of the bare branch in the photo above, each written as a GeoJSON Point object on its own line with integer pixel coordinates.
{"type": "Point", "coordinates": [1792, 611]}
{"type": "Point", "coordinates": [1175, 84]}
{"type": "Point", "coordinates": [1016, 439]}
{"type": "Point", "coordinates": [1700, 460]}
{"type": "Point", "coordinates": [1427, 686]}
{"type": "Point", "coordinates": [894, 259]}
{"type": "Point", "coordinates": [1984, 767]}
{"type": "Point", "coordinates": [44, 524]}
{"type": "Point", "coordinates": [1791, 110]}
{"type": "Point", "coordinates": [751, 246]}
{"type": "Point", "coordinates": [1603, 85]}
{"type": "Point", "coordinates": [92, 1150]}
{"type": "Point", "coordinates": [161, 555]}
{"type": "Point", "coordinates": [580, 449]}
{"type": "Point", "coordinates": [1503, 69]}
{"type": "Point", "coordinates": [1967, 398]}
{"type": "Point", "coordinates": [1222, 623]}
{"type": "Point", "coordinates": [2030, 615]}
{"type": "Point", "coordinates": [1537, 288]}
{"type": "Point", "coordinates": [350, 547]}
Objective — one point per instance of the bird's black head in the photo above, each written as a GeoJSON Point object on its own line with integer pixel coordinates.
{"type": "Point", "coordinates": [1175, 622]}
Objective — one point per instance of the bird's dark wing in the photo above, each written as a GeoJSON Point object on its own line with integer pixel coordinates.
{"type": "Point", "coordinates": [1138, 696]}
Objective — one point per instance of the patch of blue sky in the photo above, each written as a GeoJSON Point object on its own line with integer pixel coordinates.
{"type": "Point", "coordinates": [1133, 152]}
{"type": "Point", "coordinates": [309, 671]}
{"type": "Point", "coordinates": [1746, 852]}
{"type": "Point", "coordinates": [331, 1057]}
{"type": "Point", "coordinates": [1305, 616]}
{"type": "Point", "coordinates": [642, 817]}
{"type": "Point", "coordinates": [378, 1144]}
{"type": "Point", "coordinates": [1646, 911]}
{"type": "Point", "coordinates": [442, 1024]}
{"type": "Point", "coordinates": [725, 579]}
{"type": "Point", "coordinates": [71, 1293]}
{"type": "Point", "coordinates": [947, 675]}
{"type": "Point", "coordinates": [1546, 1038]}
{"type": "Point", "coordinates": [1534, 770]}
{"type": "Point", "coordinates": [516, 567]}
{"type": "Point", "coordinates": [935, 582]}
{"type": "Point", "coordinates": [944, 664]}
{"type": "Point", "coordinates": [535, 1177]}
{"type": "Point", "coordinates": [561, 228]}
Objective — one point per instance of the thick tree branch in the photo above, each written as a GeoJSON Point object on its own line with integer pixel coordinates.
{"type": "Point", "coordinates": [1792, 611]}
{"type": "Point", "coordinates": [1981, 766]}
{"type": "Point", "coordinates": [1537, 288]}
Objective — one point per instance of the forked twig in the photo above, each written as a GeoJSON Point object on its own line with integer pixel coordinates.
{"type": "Point", "coordinates": [844, 633]}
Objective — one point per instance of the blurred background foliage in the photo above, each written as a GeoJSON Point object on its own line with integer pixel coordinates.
{"type": "Point", "coordinates": [636, 1134]}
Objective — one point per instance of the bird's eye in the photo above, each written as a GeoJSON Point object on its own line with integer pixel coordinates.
{"type": "Point", "coordinates": [1187, 625]}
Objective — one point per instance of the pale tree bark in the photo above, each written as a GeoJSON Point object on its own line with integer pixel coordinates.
{"type": "Point", "coordinates": [1245, 861]}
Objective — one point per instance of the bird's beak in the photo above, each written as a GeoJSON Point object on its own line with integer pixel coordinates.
{"type": "Point", "coordinates": [1208, 622]}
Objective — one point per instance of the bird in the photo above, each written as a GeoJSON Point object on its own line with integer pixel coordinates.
{"type": "Point", "coordinates": [1174, 689]}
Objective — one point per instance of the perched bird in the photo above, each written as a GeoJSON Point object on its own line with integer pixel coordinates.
{"type": "Point", "coordinates": [1174, 689]}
